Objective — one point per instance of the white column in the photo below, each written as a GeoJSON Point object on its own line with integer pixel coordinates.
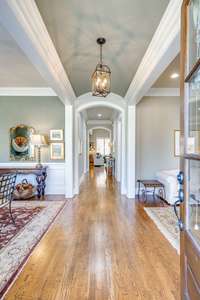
{"type": "Point", "coordinates": [123, 154]}
{"type": "Point", "coordinates": [76, 153]}
{"type": "Point", "coordinates": [131, 126]}
{"type": "Point", "coordinates": [69, 151]}
{"type": "Point", "coordinates": [115, 153]}
{"type": "Point", "coordinates": [85, 151]}
{"type": "Point", "coordinates": [119, 147]}
{"type": "Point", "coordinates": [87, 154]}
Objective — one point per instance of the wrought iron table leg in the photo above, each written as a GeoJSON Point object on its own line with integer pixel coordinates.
{"type": "Point", "coordinates": [43, 182]}
{"type": "Point", "coordinates": [154, 189]}
{"type": "Point", "coordinates": [10, 210]}
{"type": "Point", "coordinates": [145, 193]}
{"type": "Point", "coordinates": [39, 185]}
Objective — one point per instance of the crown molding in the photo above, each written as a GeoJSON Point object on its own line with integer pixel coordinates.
{"type": "Point", "coordinates": [163, 92]}
{"type": "Point", "coordinates": [23, 21]}
{"type": "Point", "coordinates": [99, 122]}
{"type": "Point", "coordinates": [27, 91]}
{"type": "Point", "coordinates": [163, 48]}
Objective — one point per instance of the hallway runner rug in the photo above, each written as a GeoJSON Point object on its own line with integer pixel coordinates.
{"type": "Point", "coordinates": [32, 218]}
{"type": "Point", "coordinates": [166, 221]}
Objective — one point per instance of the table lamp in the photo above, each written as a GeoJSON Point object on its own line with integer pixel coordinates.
{"type": "Point", "coordinates": [38, 140]}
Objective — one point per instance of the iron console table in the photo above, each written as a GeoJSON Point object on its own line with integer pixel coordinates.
{"type": "Point", "coordinates": [40, 174]}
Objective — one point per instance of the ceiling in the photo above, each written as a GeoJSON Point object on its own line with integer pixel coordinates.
{"type": "Point", "coordinates": [165, 80]}
{"type": "Point", "coordinates": [127, 25]}
{"type": "Point", "coordinates": [106, 112]}
{"type": "Point", "coordinates": [16, 69]}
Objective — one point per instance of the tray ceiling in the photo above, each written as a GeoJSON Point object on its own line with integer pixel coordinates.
{"type": "Point", "coordinates": [127, 25]}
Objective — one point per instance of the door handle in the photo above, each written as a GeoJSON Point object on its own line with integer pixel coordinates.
{"type": "Point", "coordinates": [180, 222]}
{"type": "Point", "coordinates": [180, 178]}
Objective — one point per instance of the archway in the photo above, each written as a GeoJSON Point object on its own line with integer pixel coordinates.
{"type": "Point", "coordinates": [89, 130]}
{"type": "Point", "coordinates": [112, 101]}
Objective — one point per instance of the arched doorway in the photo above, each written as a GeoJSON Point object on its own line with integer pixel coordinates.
{"type": "Point", "coordinates": [112, 101]}
{"type": "Point", "coordinates": [90, 131]}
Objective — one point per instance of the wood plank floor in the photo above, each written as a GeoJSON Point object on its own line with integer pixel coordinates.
{"type": "Point", "coordinates": [102, 246]}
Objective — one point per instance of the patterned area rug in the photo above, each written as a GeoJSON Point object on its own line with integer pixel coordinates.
{"type": "Point", "coordinates": [166, 221]}
{"type": "Point", "coordinates": [21, 215]}
{"type": "Point", "coordinates": [34, 219]}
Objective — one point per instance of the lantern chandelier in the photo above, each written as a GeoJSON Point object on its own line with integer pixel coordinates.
{"type": "Point", "coordinates": [101, 76]}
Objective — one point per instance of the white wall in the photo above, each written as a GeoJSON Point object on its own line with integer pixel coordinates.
{"type": "Point", "coordinates": [157, 118]}
{"type": "Point", "coordinates": [41, 113]}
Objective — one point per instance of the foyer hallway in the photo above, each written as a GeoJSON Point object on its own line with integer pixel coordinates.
{"type": "Point", "coordinates": [102, 246]}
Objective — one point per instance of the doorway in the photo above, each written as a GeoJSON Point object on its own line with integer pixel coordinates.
{"type": "Point", "coordinates": [115, 123]}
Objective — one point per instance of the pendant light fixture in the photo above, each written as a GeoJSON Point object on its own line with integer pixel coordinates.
{"type": "Point", "coordinates": [101, 76]}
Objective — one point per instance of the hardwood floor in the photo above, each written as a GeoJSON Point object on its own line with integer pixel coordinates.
{"type": "Point", "coordinates": [102, 246]}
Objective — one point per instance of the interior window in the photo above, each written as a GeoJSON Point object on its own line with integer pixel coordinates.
{"type": "Point", "coordinates": [103, 146]}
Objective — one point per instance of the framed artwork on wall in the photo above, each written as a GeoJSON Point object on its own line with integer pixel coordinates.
{"type": "Point", "coordinates": [177, 135]}
{"type": "Point", "coordinates": [57, 151]}
{"type": "Point", "coordinates": [56, 135]}
{"type": "Point", "coordinates": [20, 143]}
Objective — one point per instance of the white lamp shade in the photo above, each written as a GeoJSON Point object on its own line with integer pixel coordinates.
{"type": "Point", "coordinates": [38, 140]}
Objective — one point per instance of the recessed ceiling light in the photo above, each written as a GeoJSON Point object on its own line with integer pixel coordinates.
{"type": "Point", "coordinates": [99, 115]}
{"type": "Point", "coordinates": [174, 75]}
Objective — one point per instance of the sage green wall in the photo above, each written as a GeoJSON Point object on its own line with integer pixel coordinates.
{"type": "Point", "coordinates": [42, 113]}
{"type": "Point", "coordinates": [157, 118]}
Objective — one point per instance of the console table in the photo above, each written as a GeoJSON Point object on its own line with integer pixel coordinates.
{"type": "Point", "coordinates": [40, 173]}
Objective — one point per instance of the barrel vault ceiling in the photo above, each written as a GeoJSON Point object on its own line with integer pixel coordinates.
{"type": "Point", "coordinates": [127, 25]}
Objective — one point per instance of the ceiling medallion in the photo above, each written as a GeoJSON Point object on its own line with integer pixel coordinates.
{"type": "Point", "coordinates": [101, 77]}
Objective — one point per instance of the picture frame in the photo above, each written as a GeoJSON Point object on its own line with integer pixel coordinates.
{"type": "Point", "coordinates": [177, 143]}
{"type": "Point", "coordinates": [56, 134]}
{"type": "Point", "coordinates": [20, 143]}
{"type": "Point", "coordinates": [57, 151]}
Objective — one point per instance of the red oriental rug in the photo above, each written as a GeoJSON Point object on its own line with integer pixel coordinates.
{"type": "Point", "coordinates": [32, 218]}
{"type": "Point", "coordinates": [21, 215]}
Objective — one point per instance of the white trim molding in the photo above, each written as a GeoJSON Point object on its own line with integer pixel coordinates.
{"type": "Point", "coordinates": [99, 122]}
{"type": "Point", "coordinates": [23, 21]}
{"type": "Point", "coordinates": [164, 47]}
{"type": "Point", "coordinates": [69, 159]}
{"type": "Point", "coordinates": [27, 91]}
{"type": "Point", "coordinates": [131, 150]}
{"type": "Point", "coordinates": [163, 92]}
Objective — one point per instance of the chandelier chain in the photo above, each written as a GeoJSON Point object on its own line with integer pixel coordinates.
{"type": "Point", "coordinates": [101, 59]}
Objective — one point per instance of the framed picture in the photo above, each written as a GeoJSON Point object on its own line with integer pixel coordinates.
{"type": "Point", "coordinates": [177, 135]}
{"type": "Point", "coordinates": [57, 151]}
{"type": "Point", "coordinates": [20, 143]}
{"type": "Point", "coordinates": [56, 135]}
